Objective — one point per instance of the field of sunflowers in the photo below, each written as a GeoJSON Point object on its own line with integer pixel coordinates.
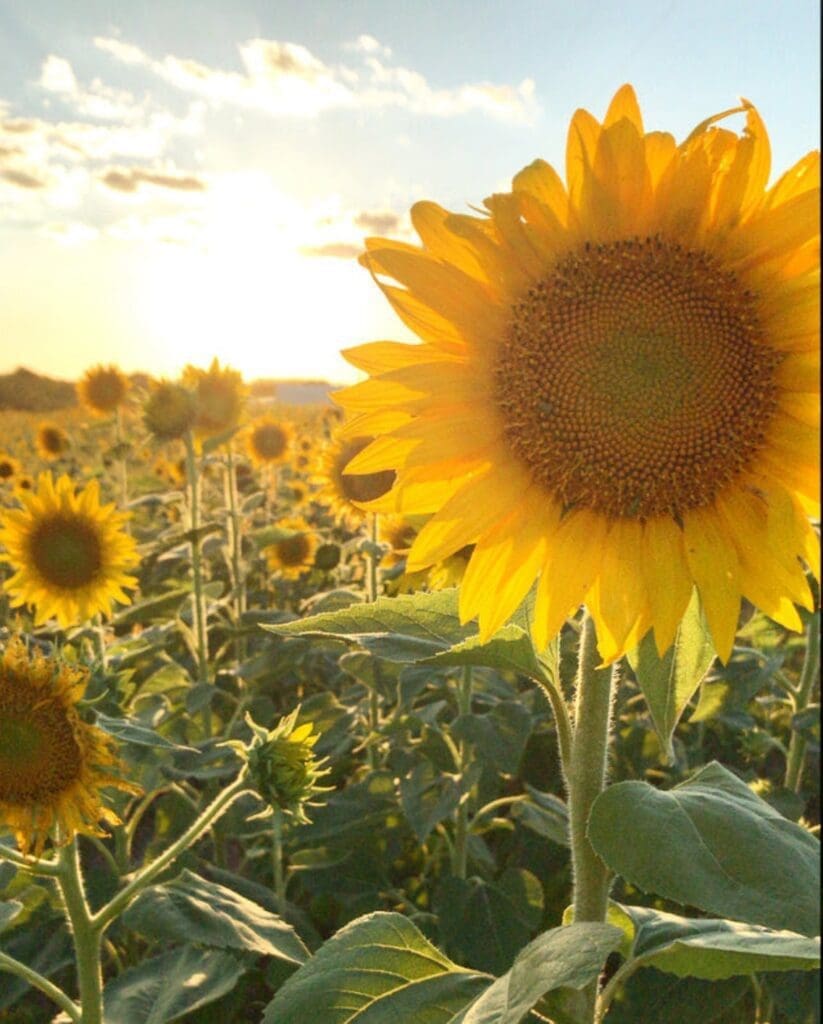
{"type": "Point", "coordinates": [374, 712]}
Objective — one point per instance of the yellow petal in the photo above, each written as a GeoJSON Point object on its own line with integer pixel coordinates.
{"type": "Point", "coordinates": [668, 581]}
{"type": "Point", "coordinates": [713, 563]}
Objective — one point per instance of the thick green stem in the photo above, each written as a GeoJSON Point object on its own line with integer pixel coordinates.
{"type": "Point", "coordinates": [87, 937]}
{"type": "Point", "coordinates": [198, 598]}
{"type": "Point", "coordinates": [47, 868]}
{"type": "Point", "coordinates": [146, 875]}
{"type": "Point", "coordinates": [36, 980]}
{"type": "Point", "coordinates": [808, 677]}
{"type": "Point", "coordinates": [461, 822]}
{"type": "Point", "coordinates": [585, 780]}
{"type": "Point", "coordinates": [235, 547]}
{"type": "Point", "coordinates": [277, 862]}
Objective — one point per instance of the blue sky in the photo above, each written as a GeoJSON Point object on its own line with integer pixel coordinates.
{"type": "Point", "coordinates": [182, 180]}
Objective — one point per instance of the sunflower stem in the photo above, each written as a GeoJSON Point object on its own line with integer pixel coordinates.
{"type": "Point", "coordinates": [277, 862]}
{"type": "Point", "coordinates": [585, 780]}
{"type": "Point", "coordinates": [87, 938]}
{"type": "Point", "coordinates": [461, 821]}
{"type": "Point", "coordinates": [808, 677]}
{"type": "Point", "coordinates": [36, 980]}
{"type": "Point", "coordinates": [146, 875]}
{"type": "Point", "coordinates": [199, 604]}
{"type": "Point", "coordinates": [124, 472]}
{"type": "Point", "coordinates": [235, 545]}
{"type": "Point", "coordinates": [47, 868]}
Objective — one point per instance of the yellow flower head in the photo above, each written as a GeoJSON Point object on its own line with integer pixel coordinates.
{"type": "Point", "coordinates": [51, 442]}
{"type": "Point", "coordinates": [169, 411]}
{"type": "Point", "coordinates": [102, 389]}
{"type": "Point", "coordinates": [294, 554]}
{"type": "Point", "coordinates": [220, 398]}
{"type": "Point", "coordinates": [399, 534]}
{"type": "Point", "coordinates": [52, 763]}
{"type": "Point", "coordinates": [9, 467]}
{"type": "Point", "coordinates": [268, 441]}
{"type": "Point", "coordinates": [343, 490]}
{"type": "Point", "coordinates": [616, 389]}
{"type": "Point", "coordinates": [70, 554]}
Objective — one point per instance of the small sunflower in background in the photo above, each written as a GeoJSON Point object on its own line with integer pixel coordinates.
{"type": "Point", "coordinates": [220, 398]}
{"type": "Point", "coordinates": [269, 441]}
{"type": "Point", "coordinates": [51, 441]}
{"type": "Point", "coordinates": [616, 389]}
{"type": "Point", "coordinates": [343, 490]}
{"type": "Point", "coordinates": [399, 534]}
{"type": "Point", "coordinates": [296, 492]}
{"type": "Point", "coordinates": [9, 468]}
{"type": "Point", "coordinates": [69, 553]}
{"type": "Point", "coordinates": [102, 389]}
{"type": "Point", "coordinates": [169, 411]}
{"type": "Point", "coordinates": [294, 554]}
{"type": "Point", "coordinates": [53, 765]}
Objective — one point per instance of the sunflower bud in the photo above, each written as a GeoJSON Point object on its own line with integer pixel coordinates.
{"type": "Point", "coordinates": [282, 766]}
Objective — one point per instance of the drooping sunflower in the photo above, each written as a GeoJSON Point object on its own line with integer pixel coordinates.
{"type": "Point", "coordinates": [70, 553]}
{"type": "Point", "coordinates": [220, 398]}
{"type": "Point", "coordinates": [169, 411]}
{"type": "Point", "coordinates": [102, 389]}
{"type": "Point", "coordinates": [343, 491]}
{"type": "Point", "coordinates": [294, 554]}
{"type": "Point", "coordinates": [269, 441]}
{"type": "Point", "coordinates": [616, 390]}
{"type": "Point", "coordinates": [51, 441]}
{"type": "Point", "coordinates": [52, 763]}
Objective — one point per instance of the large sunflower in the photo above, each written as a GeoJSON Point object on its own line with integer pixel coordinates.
{"type": "Point", "coordinates": [269, 441]}
{"type": "Point", "coordinates": [70, 553]}
{"type": "Point", "coordinates": [102, 389]}
{"type": "Point", "coordinates": [52, 763]}
{"type": "Point", "coordinates": [220, 398]}
{"type": "Point", "coordinates": [616, 389]}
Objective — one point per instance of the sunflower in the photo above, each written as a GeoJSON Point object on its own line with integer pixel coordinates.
{"type": "Point", "coordinates": [70, 553]}
{"type": "Point", "coordinates": [220, 398]}
{"type": "Point", "coordinates": [344, 490]}
{"type": "Point", "coordinates": [399, 534]}
{"type": "Point", "coordinates": [52, 763]}
{"type": "Point", "coordinates": [9, 467]}
{"type": "Point", "coordinates": [51, 442]}
{"type": "Point", "coordinates": [616, 387]}
{"type": "Point", "coordinates": [102, 389]}
{"type": "Point", "coordinates": [169, 411]}
{"type": "Point", "coordinates": [268, 441]}
{"type": "Point", "coordinates": [292, 555]}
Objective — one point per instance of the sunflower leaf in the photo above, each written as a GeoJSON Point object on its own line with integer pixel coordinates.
{"type": "Point", "coordinates": [381, 969]}
{"type": "Point", "coordinates": [668, 683]}
{"type": "Point", "coordinates": [711, 843]}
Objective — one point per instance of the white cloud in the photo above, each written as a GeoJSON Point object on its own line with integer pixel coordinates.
{"type": "Point", "coordinates": [57, 75]}
{"type": "Point", "coordinates": [286, 79]}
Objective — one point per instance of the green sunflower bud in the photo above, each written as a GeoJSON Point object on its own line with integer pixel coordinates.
{"type": "Point", "coordinates": [282, 766]}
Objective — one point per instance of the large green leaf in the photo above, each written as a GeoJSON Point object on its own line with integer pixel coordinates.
{"type": "Point", "coordinates": [711, 843]}
{"type": "Point", "coordinates": [668, 683]}
{"type": "Point", "coordinates": [428, 796]}
{"type": "Point", "coordinates": [510, 649]}
{"type": "Point", "coordinates": [484, 923]}
{"type": "Point", "coordinates": [401, 629]}
{"type": "Point", "coordinates": [377, 970]}
{"type": "Point", "coordinates": [164, 988]}
{"type": "Point", "coordinates": [193, 909]}
{"type": "Point", "coordinates": [567, 957]}
{"type": "Point", "coordinates": [130, 730]}
{"type": "Point", "coordinates": [712, 949]}
{"type": "Point", "coordinates": [652, 997]}
{"type": "Point", "coordinates": [499, 737]}
{"type": "Point", "coordinates": [545, 814]}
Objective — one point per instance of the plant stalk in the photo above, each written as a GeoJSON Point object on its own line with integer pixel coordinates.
{"type": "Point", "coordinates": [808, 677]}
{"type": "Point", "coordinates": [198, 599]}
{"type": "Point", "coordinates": [87, 937]}
{"type": "Point", "coordinates": [585, 780]}
{"type": "Point", "coordinates": [277, 861]}
{"type": "Point", "coordinates": [461, 822]}
{"type": "Point", "coordinates": [36, 980]}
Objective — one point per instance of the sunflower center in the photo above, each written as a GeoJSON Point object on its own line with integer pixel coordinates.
{"type": "Point", "coordinates": [66, 551]}
{"type": "Point", "coordinates": [294, 551]}
{"type": "Point", "coordinates": [39, 754]}
{"type": "Point", "coordinates": [269, 441]}
{"type": "Point", "coordinates": [634, 380]}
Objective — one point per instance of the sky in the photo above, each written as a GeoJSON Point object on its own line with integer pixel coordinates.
{"type": "Point", "coordinates": [181, 180]}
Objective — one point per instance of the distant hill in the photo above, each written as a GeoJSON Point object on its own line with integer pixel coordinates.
{"type": "Point", "coordinates": [33, 392]}
{"type": "Point", "coordinates": [293, 392]}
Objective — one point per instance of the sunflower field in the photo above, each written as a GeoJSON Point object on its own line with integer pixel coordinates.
{"type": "Point", "coordinates": [487, 692]}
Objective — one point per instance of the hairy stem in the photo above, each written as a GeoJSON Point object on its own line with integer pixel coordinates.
{"type": "Point", "coordinates": [198, 598]}
{"type": "Point", "coordinates": [36, 980]}
{"type": "Point", "coordinates": [87, 937]}
{"type": "Point", "coordinates": [808, 677]}
{"type": "Point", "coordinates": [461, 822]}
